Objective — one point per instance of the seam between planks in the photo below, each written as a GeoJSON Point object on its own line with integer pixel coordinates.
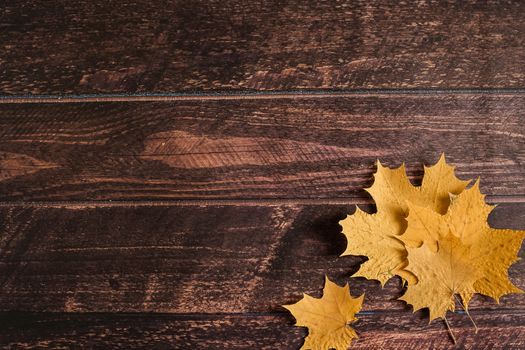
{"type": "Point", "coordinates": [248, 95]}
{"type": "Point", "coordinates": [222, 202]}
{"type": "Point", "coordinates": [196, 315]}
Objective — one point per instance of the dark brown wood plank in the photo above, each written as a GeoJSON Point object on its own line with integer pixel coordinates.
{"type": "Point", "coordinates": [62, 47]}
{"type": "Point", "coordinates": [252, 149]}
{"type": "Point", "coordinates": [190, 259]}
{"type": "Point", "coordinates": [393, 330]}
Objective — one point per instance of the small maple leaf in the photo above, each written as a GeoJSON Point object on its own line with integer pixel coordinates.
{"type": "Point", "coordinates": [377, 235]}
{"type": "Point", "coordinates": [457, 253]}
{"type": "Point", "coordinates": [328, 318]}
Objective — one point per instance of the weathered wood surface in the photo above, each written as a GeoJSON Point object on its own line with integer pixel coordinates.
{"type": "Point", "coordinates": [149, 46]}
{"type": "Point", "coordinates": [187, 222]}
{"type": "Point", "coordinates": [252, 149]}
{"type": "Point", "coordinates": [392, 330]}
{"type": "Point", "coordinates": [191, 259]}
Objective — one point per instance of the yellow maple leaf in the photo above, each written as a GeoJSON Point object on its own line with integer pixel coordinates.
{"type": "Point", "coordinates": [457, 253]}
{"type": "Point", "coordinates": [376, 235]}
{"type": "Point", "coordinates": [392, 188]}
{"type": "Point", "coordinates": [328, 319]}
{"type": "Point", "coordinates": [440, 275]}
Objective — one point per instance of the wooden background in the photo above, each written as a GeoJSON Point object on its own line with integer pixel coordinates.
{"type": "Point", "coordinates": [171, 172]}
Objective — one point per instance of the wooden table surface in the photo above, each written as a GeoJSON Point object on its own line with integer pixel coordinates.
{"type": "Point", "coordinates": [171, 172]}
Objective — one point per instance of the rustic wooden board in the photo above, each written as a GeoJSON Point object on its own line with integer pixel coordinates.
{"type": "Point", "coordinates": [190, 259]}
{"type": "Point", "coordinates": [157, 46]}
{"type": "Point", "coordinates": [392, 330]}
{"type": "Point", "coordinates": [203, 187]}
{"type": "Point", "coordinates": [252, 149]}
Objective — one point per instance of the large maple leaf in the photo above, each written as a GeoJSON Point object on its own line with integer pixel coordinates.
{"type": "Point", "coordinates": [328, 319]}
{"type": "Point", "coordinates": [457, 253]}
{"type": "Point", "coordinates": [440, 275]}
{"type": "Point", "coordinates": [377, 235]}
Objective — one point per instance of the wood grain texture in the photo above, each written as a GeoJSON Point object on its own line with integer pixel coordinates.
{"type": "Point", "coordinates": [255, 149]}
{"type": "Point", "coordinates": [157, 46]}
{"type": "Point", "coordinates": [187, 222]}
{"type": "Point", "coordinates": [393, 330]}
{"type": "Point", "coordinates": [13, 165]}
{"type": "Point", "coordinates": [191, 259]}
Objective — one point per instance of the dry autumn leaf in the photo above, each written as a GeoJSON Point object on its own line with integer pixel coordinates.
{"type": "Point", "coordinates": [435, 236]}
{"type": "Point", "coordinates": [440, 275]}
{"type": "Point", "coordinates": [457, 253]}
{"type": "Point", "coordinates": [328, 318]}
{"type": "Point", "coordinates": [377, 235]}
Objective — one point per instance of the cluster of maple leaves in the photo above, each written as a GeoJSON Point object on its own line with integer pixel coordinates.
{"type": "Point", "coordinates": [435, 237]}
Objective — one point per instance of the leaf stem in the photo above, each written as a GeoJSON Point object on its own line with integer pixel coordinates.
{"type": "Point", "coordinates": [449, 330]}
{"type": "Point", "coordinates": [468, 314]}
